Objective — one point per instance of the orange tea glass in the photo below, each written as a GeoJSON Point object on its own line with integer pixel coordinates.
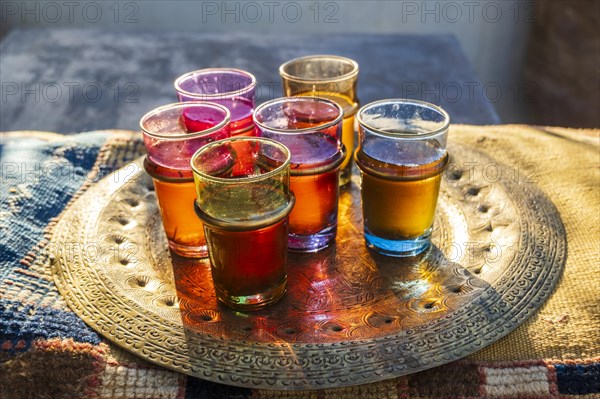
{"type": "Point", "coordinates": [332, 77]}
{"type": "Point", "coordinates": [172, 134]}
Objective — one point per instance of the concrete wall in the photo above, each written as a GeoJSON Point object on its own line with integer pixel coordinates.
{"type": "Point", "coordinates": [493, 33]}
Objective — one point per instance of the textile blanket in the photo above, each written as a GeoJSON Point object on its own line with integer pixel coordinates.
{"type": "Point", "coordinates": [46, 351]}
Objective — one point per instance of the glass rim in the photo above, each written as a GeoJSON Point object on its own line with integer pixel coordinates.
{"type": "Point", "coordinates": [194, 135]}
{"type": "Point", "coordinates": [248, 179]}
{"type": "Point", "coordinates": [296, 78]}
{"type": "Point", "coordinates": [245, 225]}
{"type": "Point", "coordinates": [326, 125]}
{"type": "Point", "coordinates": [186, 75]}
{"type": "Point", "coordinates": [404, 101]}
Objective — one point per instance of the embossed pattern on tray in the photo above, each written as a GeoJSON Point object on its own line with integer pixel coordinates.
{"type": "Point", "coordinates": [349, 317]}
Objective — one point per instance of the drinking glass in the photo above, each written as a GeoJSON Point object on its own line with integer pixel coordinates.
{"type": "Point", "coordinates": [244, 200]}
{"type": "Point", "coordinates": [331, 77]}
{"type": "Point", "coordinates": [232, 88]}
{"type": "Point", "coordinates": [172, 134]}
{"type": "Point", "coordinates": [310, 128]}
{"type": "Point", "coordinates": [401, 156]}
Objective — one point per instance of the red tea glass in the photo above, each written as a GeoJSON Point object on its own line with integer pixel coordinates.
{"type": "Point", "coordinates": [311, 128]}
{"type": "Point", "coordinates": [232, 88]}
{"type": "Point", "coordinates": [244, 200]}
{"type": "Point", "coordinates": [172, 134]}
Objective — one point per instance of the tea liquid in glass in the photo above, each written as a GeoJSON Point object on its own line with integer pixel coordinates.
{"type": "Point", "coordinates": [399, 201]}
{"type": "Point", "coordinates": [317, 208]}
{"type": "Point", "coordinates": [248, 264]}
{"type": "Point", "coordinates": [314, 184]}
{"type": "Point", "coordinates": [183, 228]}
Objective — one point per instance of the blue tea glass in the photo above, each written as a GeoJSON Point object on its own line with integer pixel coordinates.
{"type": "Point", "coordinates": [401, 156]}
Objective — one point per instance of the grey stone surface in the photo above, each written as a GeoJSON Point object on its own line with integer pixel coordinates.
{"type": "Point", "coordinates": [71, 80]}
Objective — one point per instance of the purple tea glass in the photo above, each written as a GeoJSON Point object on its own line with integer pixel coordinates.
{"type": "Point", "coordinates": [311, 128]}
{"type": "Point", "coordinates": [232, 88]}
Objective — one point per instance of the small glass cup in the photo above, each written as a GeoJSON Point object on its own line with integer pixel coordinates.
{"type": "Point", "coordinates": [401, 155]}
{"type": "Point", "coordinates": [244, 199]}
{"type": "Point", "coordinates": [311, 128]}
{"type": "Point", "coordinates": [331, 77]}
{"type": "Point", "coordinates": [232, 88]}
{"type": "Point", "coordinates": [172, 134]}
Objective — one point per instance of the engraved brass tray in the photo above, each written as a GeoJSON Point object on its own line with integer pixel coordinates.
{"type": "Point", "coordinates": [349, 317]}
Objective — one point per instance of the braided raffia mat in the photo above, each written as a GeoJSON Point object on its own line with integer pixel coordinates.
{"type": "Point", "coordinates": [566, 167]}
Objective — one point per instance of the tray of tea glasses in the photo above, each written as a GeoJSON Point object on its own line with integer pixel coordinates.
{"type": "Point", "coordinates": [350, 316]}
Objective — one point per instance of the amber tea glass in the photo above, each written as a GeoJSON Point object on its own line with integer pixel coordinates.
{"type": "Point", "coordinates": [311, 129]}
{"type": "Point", "coordinates": [401, 155]}
{"type": "Point", "coordinates": [232, 88]}
{"type": "Point", "coordinates": [244, 200]}
{"type": "Point", "coordinates": [331, 77]}
{"type": "Point", "coordinates": [172, 134]}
